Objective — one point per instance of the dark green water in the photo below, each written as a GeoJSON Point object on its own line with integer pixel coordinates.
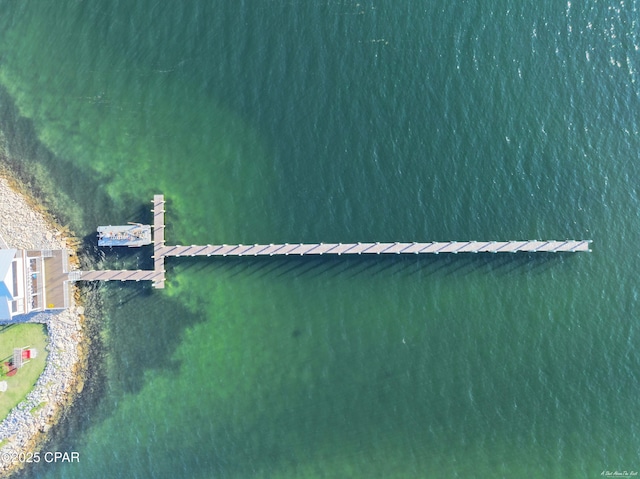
{"type": "Point", "coordinates": [287, 121]}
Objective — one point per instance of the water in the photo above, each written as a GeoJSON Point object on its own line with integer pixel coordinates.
{"type": "Point", "coordinates": [290, 121]}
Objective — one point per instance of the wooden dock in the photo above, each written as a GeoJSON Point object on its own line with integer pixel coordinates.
{"type": "Point", "coordinates": [162, 251]}
{"type": "Point", "coordinates": [319, 249]}
{"type": "Point", "coordinates": [158, 240]}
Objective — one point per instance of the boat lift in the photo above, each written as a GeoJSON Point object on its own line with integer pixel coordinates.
{"type": "Point", "coordinates": [132, 235]}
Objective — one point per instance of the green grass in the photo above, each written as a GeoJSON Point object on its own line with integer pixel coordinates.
{"type": "Point", "coordinates": [18, 386]}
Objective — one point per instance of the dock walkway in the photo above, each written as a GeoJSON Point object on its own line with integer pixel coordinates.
{"type": "Point", "coordinates": [162, 251]}
{"type": "Point", "coordinates": [319, 249]}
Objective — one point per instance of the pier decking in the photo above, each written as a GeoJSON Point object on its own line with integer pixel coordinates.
{"type": "Point", "coordinates": [320, 249]}
{"type": "Point", "coordinates": [158, 240]}
{"type": "Point", "coordinates": [162, 251]}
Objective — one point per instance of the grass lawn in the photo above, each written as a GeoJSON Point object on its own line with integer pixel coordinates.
{"type": "Point", "coordinates": [18, 386]}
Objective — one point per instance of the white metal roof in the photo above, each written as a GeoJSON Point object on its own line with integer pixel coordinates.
{"type": "Point", "coordinates": [6, 258]}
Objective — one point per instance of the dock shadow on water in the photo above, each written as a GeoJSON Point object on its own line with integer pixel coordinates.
{"type": "Point", "coordinates": [130, 358]}
{"type": "Point", "coordinates": [443, 265]}
{"type": "Point", "coordinates": [482, 264]}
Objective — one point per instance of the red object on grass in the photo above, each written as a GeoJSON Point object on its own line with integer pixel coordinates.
{"type": "Point", "coordinates": [11, 371]}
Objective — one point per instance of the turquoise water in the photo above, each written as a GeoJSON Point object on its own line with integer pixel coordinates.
{"type": "Point", "coordinates": [287, 121]}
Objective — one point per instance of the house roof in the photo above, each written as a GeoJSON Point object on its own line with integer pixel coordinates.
{"type": "Point", "coordinates": [6, 258]}
{"type": "Point", "coordinates": [5, 308]}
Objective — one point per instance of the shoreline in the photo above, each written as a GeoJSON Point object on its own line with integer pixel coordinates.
{"type": "Point", "coordinates": [26, 226]}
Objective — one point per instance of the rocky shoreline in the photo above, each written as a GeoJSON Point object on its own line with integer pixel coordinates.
{"type": "Point", "coordinates": [22, 226]}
